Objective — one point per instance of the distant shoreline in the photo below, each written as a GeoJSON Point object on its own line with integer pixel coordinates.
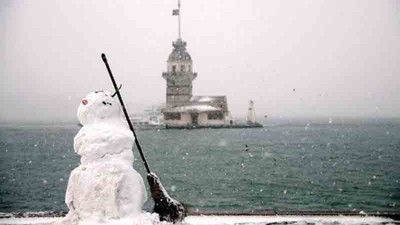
{"type": "Point", "coordinates": [268, 121]}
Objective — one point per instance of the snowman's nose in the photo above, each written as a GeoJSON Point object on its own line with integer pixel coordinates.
{"type": "Point", "coordinates": [84, 101]}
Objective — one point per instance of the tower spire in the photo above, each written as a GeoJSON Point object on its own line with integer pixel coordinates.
{"type": "Point", "coordinates": [177, 12]}
{"type": "Point", "coordinates": [179, 19]}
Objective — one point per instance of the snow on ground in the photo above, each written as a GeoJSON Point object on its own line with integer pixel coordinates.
{"type": "Point", "coordinates": [232, 220]}
{"type": "Point", "coordinates": [301, 220]}
{"type": "Point", "coordinates": [41, 221]}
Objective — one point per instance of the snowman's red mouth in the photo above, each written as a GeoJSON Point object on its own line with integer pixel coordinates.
{"type": "Point", "coordinates": [84, 101]}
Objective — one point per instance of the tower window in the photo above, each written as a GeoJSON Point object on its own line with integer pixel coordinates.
{"type": "Point", "coordinates": [173, 68]}
{"type": "Point", "coordinates": [182, 68]}
{"type": "Point", "coordinates": [190, 68]}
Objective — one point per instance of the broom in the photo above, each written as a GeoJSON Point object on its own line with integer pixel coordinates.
{"type": "Point", "coordinates": [168, 208]}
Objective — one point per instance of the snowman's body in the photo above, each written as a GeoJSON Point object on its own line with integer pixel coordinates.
{"type": "Point", "coordinates": [105, 185]}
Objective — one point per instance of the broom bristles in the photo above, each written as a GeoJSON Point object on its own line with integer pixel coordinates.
{"type": "Point", "coordinates": [168, 209]}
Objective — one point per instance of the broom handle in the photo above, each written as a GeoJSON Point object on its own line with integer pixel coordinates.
{"type": "Point", "coordinates": [103, 56]}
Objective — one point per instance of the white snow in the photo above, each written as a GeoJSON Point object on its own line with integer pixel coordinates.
{"type": "Point", "coordinates": [206, 99]}
{"type": "Point", "coordinates": [150, 219]}
{"type": "Point", "coordinates": [41, 221]}
{"type": "Point", "coordinates": [200, 108]}
{"type": "Point", "coordinates": [104, 186]}
{"type": "Point", "coordinates": [293, 220]}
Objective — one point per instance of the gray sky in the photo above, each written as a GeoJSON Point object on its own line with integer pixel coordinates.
{"type": "Point", "coordinates": [341, 57]}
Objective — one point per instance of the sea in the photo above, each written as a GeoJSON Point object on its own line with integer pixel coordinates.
{"type": "Point", "coordinates": [289, 165]}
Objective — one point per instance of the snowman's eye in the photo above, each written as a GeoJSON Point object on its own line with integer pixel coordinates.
{"type": "Point", "coordinates": [98, 91]}
{"type": "Point", "coordinates": [106, 103]}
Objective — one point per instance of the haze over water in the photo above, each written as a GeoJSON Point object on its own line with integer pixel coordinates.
{"type": "Point", "coordinates": [293, 58]}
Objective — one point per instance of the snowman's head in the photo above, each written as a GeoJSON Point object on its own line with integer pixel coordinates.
{"type": "Point", "coordinates": [98, 106]}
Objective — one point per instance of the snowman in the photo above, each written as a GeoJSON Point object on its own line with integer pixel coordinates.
{"type": "Point", "coordinates": [104, 186]}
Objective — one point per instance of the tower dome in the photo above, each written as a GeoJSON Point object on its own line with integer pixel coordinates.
{"type": "Point", "coordinates": [179, 52]}
{"type": "Point", "coordinates": [179, 59]}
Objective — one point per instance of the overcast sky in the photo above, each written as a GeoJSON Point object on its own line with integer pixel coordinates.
{"type": "Point", "coordinates": [293, 58]}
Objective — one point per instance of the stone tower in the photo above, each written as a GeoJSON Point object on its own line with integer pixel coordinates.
{"type": "Point", "coordinates": [179, 75]}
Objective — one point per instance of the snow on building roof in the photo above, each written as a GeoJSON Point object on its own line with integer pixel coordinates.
{"type": "Point", "coordinates": [207, 98]}
{"type": "Point", "coordinates": [198, 108]}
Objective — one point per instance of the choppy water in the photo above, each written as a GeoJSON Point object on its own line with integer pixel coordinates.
{"type": "Point", "coordinates": [290, 166]}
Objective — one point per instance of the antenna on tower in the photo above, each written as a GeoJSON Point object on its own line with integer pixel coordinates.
{"type": "Point", "coordinates": [179, 18]}
{"type": "Point", "coordinates": [177, 12]}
